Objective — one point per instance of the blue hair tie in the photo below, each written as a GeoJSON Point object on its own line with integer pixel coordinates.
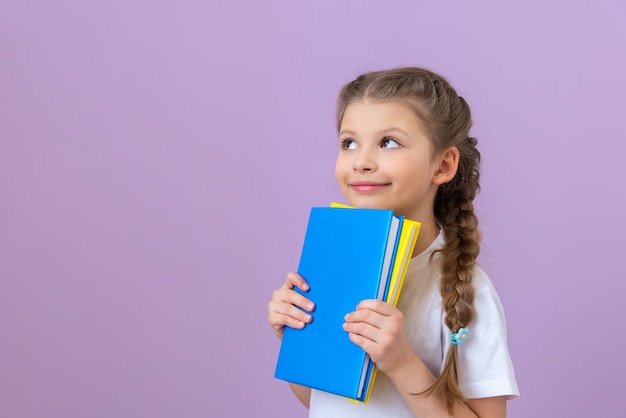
{"type": "Point", "coordinates": [460, 336]}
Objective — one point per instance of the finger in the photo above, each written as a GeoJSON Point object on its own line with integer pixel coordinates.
{"type": "Point", "coordinates": [366, 316]}
{"type": "Point", "coordinates": [363, 335]}
{"type": "Point", "coordinates": [279, 321]}
{"type": "Point", "coordinates": [281, 314]}
{"type": "Point", "coordinates": [368, 345]}
{"type": "Point", "coordinates": [295, 280]}
{"type": "Point", "coordinates": [292, 297]}
{"type": "Point", "coordinates": [377, 306]}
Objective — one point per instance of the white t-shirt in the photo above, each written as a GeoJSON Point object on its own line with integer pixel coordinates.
{"type": "Point", "coordinates": [485, 368]}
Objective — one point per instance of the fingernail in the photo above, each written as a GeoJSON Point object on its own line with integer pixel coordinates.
{"type": "Point", "coordinates": [310, 306]}
{"type": "Point", "coordinates": [307, 318]}
{"type": "Point", "coordinates": [305, 286]}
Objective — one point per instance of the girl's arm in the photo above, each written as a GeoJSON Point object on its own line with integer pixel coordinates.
{"type": "Point", "coordinates": [414, 377]}
{"type": "Point", "coordinates": [283, 311]}
{"type": "Point", "coordinates": [303, 393]}
{"type": "Point", "coordinates": [378, 328]}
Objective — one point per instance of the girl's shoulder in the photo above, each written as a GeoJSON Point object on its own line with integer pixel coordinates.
{"type": "Point", "coordinates": [487, 303]}
{"type": "Point", "coordinates": [482, 283]}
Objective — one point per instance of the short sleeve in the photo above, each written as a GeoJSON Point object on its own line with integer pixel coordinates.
{"type": "Point", "coordinates": [485, 367]}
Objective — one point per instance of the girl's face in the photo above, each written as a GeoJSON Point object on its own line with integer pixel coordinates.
{"type": "Point", "coordinates": [385, 160]}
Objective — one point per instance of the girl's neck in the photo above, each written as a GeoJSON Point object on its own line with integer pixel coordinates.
{"type": "Point", "coordinates": [427, 235]}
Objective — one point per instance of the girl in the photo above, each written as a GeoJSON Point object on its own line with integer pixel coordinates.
{"type": "Point", "coordinates": [404, 144]}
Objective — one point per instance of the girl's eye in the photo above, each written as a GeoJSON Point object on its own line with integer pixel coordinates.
{"type": "Point", "coordinates": [348, 144]}
{"type": "Point", "coordinates": [389, 143]}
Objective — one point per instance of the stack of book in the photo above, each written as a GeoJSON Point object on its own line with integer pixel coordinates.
{"type": "Point", "coordinates": [348, 255]}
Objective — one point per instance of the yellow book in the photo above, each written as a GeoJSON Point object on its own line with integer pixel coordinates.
{"type": "Point", "coordinates": [408, 237]}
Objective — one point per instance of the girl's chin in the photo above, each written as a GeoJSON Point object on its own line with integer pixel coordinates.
{"type": "Point", "coordinates": [368, 204]}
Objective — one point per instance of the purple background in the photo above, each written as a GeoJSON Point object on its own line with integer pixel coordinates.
{"type": "Point", "coordinates": [158, 161]}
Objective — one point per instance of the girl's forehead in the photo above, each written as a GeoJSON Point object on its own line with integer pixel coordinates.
{"type": "Point", "coordinates": [369, 118]}
{"type": "Point", "coordinates": [372, 112]}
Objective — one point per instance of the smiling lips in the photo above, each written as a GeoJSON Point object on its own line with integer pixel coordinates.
{"type": "Point", "coordinates": [367, 186]}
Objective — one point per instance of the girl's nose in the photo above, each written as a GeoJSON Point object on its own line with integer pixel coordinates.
{"type": "Point", "coordinates": [365, 162]}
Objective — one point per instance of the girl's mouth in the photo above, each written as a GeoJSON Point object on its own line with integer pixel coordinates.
{"type": "Point", "coordinates": [367, 186]}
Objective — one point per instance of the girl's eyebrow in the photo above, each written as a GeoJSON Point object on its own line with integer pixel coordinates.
{"type": "Point", "coordinates": [392, 130]}
{"type": "Point", "coordinates": [383, 132]}
{"type": "Point", "coordinates": [347, 132]}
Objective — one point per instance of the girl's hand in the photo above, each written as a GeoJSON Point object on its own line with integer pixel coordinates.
{"type": "Point", "coordinates": [283, 308]}
{"type": "Point", "coordinates": [378, 328]}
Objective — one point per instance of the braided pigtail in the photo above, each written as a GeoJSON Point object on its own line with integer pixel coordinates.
{"type": "Point", "coordinates": [454, 211]}
{"type": "Point", "coordinates": [446, 118]}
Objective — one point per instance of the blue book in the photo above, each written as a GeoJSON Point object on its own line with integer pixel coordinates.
{"type": "Point", "coordinates": [347, 257]}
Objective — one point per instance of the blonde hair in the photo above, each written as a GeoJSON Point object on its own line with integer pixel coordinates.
{"type": "Point", "coordinates": [446, 117]}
